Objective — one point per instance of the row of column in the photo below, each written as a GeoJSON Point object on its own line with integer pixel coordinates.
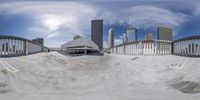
{"type": "Point", "coordinates": [12, 47]}
{"type": "Point", "coordinates": [163, 48]}
{"type": "Point", "coordinates": [187, 47]}
{"type": "Point", "coordinates": [146, 48]}
{"type": "Point", "coordinates": [149, 48]}
{"type": "Point", "coordinates": [132, 49]}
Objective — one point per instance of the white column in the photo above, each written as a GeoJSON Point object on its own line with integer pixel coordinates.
{"type": "Point", "coordinates": [22, 48]}
{"type": "Point", "coordinates": [196, 46]}
{"type": "Point", "coordinates": [178, 49]}
{"type": "Point", "coordinates": [187, 46]}
{"type": "Point", "coordinates": [164, 48]}
{"type": "Point", "coordinates": [8, 46]}
{"type": "Point", "coordinates": [11, 49]}
{"type": "Point", "coordinates": [15, 47]}
{"type": "Point", "coordinates": [181, 45]}
{"type": "Point", "coordinates": [184, 49]}
{"type": "Point", "coordinates": [134, 49]}
{"type": "Point", "coordinates": [191, 49]}
{"type": "Point", "coordinates": [18, 47]}
{"type": "Point", "coordinates": [17, 42]}
{"type": "Point", "coordinates": [155, 47]}
{"type": "Point", "coordinates": [160, 49]}
{"type": "Point", "coordinates": [144, 48]}
{"type": "Point", "coordinates": [174, 47]}
{"type": "Point", "coordinates": [0, 46]}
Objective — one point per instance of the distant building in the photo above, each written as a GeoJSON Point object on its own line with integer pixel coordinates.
{"type": "Point", "coordinates": [124, 38]}
{"type": "Point", "coordinates": [97, 32]}
{"type": "Point", "coordinates": [164, 34]}
{"type": "Point", "coordinates": [38, 41]}
{"type": "Point", "coordinates": [131, 34]}
{"type": "Point", "coordinates": [149, 37]}
{"type": "Point", "coordinates": [76, 37]}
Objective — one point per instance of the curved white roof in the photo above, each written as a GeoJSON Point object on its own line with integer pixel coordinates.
{"type": "Point", "coordinates": [80, 42]}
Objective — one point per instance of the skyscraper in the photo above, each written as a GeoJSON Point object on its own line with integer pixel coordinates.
{"type": "Point", "coordinates": [97, 32]}
{"type": "Point", "coordinates": [164, 33]}
{"type": "Point", "coordinates": [131, 34]}
{"type": "Point", "coordinates": [111, 38]}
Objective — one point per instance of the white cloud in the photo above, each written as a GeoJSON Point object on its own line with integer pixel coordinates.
{"type": "Point", "coordinates": [196, 11]}
{"type": "Point", "coordinates": [145, 16]}
{"type": "Point", "coordinates": [54, 20]}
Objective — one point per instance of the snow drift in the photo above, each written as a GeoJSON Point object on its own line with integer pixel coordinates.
{"type": "Point", "coordinates": [54, 76]}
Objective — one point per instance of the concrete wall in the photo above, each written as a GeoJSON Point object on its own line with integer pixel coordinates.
{"type": "Point", "coordinates": [189, 47]}
{"type": "Point", "coordinates": [16, 46]}
{"type": "Point", "coordinates": [143, 48]}
{"type": "Point", "coordinates": [33, 48]}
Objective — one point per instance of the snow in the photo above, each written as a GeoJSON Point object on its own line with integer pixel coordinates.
{"type": "Point", "coordinates": [53, 76]}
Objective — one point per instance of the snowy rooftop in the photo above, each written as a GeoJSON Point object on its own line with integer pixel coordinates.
{"type": "Point", "coordinates": [52, 76]}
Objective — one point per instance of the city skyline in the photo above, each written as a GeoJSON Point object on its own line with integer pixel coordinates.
{"type": "Point", "coordinates": [58, 22]}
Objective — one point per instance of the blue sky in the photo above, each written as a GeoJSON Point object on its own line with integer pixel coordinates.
{"type": "Point", "coordinates": [58, 21]}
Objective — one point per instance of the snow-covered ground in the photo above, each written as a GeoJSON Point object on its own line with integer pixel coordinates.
{"type": "Point", "coordinates": [52, 76]}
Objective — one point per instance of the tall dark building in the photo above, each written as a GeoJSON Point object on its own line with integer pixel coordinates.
{"type": "Point", "coordinates": [38, 41]}
{"type": "Point", "coordinates": [164, 33]}
{"type": "Point", "coordinates": [97, 32]}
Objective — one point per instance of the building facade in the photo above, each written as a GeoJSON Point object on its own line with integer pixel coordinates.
{"type": "Point", "coordinates": [131, 34]}
{"type": "Point", "coordinates": [97, 32]}
{"type": "Point", "coordinates": [143, 48]}
{"type": "Point", "coordinates": [81, 46]}
{"type": "Point", "coordinates": [39, 41]}
{"type": "Point", "coordinates": [188, 46]}
{"type": "Point", "coordinates": [17, 46]}
{"type": "Point", "coordinates": [111, 38]}
{"type": "Point", "coordinates": [164, 34]}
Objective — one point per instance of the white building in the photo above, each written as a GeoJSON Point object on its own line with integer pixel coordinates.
{"type": "Point", "coordinates": [17, 46]}
{"type": "Point", "coordinates": [79, 47]}
{"type": "Point", "coordinates": [188, 46]}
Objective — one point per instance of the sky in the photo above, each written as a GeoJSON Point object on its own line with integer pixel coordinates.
{"type": "Point", "coordinates": [58, 21]}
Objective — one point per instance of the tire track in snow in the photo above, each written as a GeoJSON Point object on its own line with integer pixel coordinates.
{"type": "Point", "coordinates": [9, 67]}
